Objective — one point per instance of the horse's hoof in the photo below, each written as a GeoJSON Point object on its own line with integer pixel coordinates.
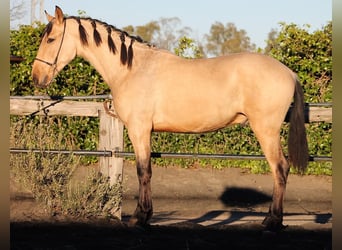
{"type": "Point", "coordinates": [273, 224]}
{"type": "Point", "coordinates": [132, 222]}
{"type": "Point", "coordinates": [135, 223]}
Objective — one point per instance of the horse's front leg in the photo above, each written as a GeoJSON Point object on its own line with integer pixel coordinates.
{"type": "Point", "coordinates": [141, 140]}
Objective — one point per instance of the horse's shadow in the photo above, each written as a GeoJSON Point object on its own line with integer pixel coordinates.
{"type": "Point", "coordinates": [236, 197]}
{"type": "Point", "coordinates": [240, 203]}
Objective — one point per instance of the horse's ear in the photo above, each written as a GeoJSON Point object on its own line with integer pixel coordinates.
{"type": "Point", "coordinates": [48, 17]}
{"type": "Point", "coordinates": [59, 15]}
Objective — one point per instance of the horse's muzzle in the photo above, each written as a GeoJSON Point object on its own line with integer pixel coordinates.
{"type": "Point", "coordinates": [40, 83]}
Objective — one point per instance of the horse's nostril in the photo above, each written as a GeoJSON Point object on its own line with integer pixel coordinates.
{"type": "Point", "coordinates": [35, 80]}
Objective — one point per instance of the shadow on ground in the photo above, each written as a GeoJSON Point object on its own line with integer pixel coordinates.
{"type": "Point", "coordinates": [179, 236]}
{"type": "Point", "coordinates": [187, 233]}
{"type": "Point", "coordinates": [247, 197]}
{"type": "Point", "coordinates": [237, 196]}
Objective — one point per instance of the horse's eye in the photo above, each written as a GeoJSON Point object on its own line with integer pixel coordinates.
{"type": "Point", "coordinates": [50, 40]}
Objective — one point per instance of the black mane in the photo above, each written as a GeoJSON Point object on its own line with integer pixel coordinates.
{"type": "Point", "coordinates": [126, 55]}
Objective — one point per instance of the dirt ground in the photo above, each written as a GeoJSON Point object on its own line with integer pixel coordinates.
{"type": "Point", "coordinates": [193, 209]}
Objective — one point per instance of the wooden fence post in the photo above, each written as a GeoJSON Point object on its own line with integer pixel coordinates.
{"type": "Point", "coordinates": [111, 138]}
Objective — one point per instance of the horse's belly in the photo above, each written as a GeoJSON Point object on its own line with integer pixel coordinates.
{"type": "Point", "coordinates": [196, 122]}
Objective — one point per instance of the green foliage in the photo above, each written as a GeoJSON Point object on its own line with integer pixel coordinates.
{"type": "Point", "coordinates": [187, 48]}
{"type": "Point", "coordinates": [310, 56]}
{"type": "Point", "coordinates": [23, 42]}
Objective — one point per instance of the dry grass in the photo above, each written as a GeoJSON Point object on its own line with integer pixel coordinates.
{"type": "Point", "coordinates": [49, 177]}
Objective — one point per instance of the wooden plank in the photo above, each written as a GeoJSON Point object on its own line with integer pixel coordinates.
{"type": "Point", "coordinates": [320, 114]}
{"type": "Point", "coordinates": [111, 138]}
{"type": "Point", "coordinates": [54, 107]}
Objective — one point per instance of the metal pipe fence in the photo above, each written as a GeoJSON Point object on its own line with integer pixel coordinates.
{"type": "Point", "coordinates": [123, 154]}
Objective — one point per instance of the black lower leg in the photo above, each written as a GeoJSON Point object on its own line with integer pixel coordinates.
{"type": "Point", "coordinates": [141, 216]}
{"type": "Point", "coordinates": [273, 222]}
{"type": "Point", "coordinates": [144, 210]}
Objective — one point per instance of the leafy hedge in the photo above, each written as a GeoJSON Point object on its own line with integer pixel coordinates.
{"type": "Point", "coordinates": [308, 54]}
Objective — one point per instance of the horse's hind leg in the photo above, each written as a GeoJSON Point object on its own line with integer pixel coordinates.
{"type": "Point", "coordinates": [141, 140]}
{"type": "Point", "coordinates": [269, 139]}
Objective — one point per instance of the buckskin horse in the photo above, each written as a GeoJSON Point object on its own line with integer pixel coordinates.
{"type": "Point", "coordinates": [155, 90]}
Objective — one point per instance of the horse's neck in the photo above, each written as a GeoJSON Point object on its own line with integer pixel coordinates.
{"type": "Point", "coordinates": [109, 64]}
{"type": "Point", "coordinates": [106, 63]}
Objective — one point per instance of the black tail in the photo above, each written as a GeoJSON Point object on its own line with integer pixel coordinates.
{"type": "Point", "coordinates": [297, 144]}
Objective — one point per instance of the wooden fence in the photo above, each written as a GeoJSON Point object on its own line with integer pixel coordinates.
{"type": "Point", "coordinates": [110, 129]}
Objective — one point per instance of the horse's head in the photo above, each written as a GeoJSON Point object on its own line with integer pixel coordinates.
{"type": "Point", "coordinates": [56, 50]}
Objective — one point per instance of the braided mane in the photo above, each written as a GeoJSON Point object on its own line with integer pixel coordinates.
{"type": "Point", "coordinates": [126, 55]}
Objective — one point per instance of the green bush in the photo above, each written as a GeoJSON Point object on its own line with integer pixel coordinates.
{"type": "Point", "coordinates": [308, 54]}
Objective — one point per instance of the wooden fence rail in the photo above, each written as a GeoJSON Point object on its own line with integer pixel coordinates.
{"type": "Point", "coordinates": [79, 108]}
